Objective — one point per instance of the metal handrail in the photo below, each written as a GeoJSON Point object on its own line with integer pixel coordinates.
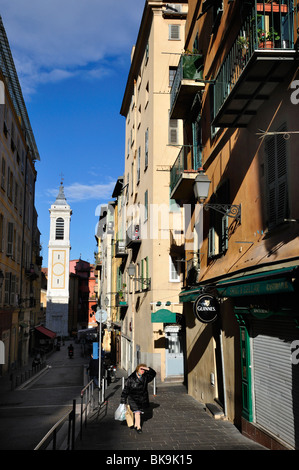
{"type": "Point", "coordinates": [52, 434]}
{"type": "Point", "coordinates": [86, 392]}
{"type": "Point", "coordinates": [18, 378]}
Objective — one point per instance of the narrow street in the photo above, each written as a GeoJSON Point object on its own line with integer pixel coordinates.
{"type": "Point", "coordinates": [27, 413]}
{"type": "Point", "coordinates": [176, 422]}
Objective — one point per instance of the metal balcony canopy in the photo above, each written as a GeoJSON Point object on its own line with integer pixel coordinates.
{"type": "Point", "coordinates": [12, 82]}
{"type": "Point", "coordinates": [261, 57]}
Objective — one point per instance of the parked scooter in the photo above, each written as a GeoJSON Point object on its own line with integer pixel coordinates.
{"type": "Point", "coordinates": [111, 371]}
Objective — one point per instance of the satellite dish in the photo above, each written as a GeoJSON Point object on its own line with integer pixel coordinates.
{"type": "Point", "coordinates": [101, 315]}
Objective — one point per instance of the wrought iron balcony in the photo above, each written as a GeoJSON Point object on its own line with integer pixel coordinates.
{"type": "Point", "coordinates": [186, 84]}
{"type": "Point", "coordinates": [260, 58]}
{"type": "Point", "coordinates": [183, 174]}
{"type": "Point", "coordinates": [133, 236]}
{"type": "Point", "coordinates": [121, 299]}
{"type": "Point", "coordinates": [98, 258]}
{"type": "Point", "coordinates": [31, 271]}
{"type": "Point", "coordinates": [120, 249]}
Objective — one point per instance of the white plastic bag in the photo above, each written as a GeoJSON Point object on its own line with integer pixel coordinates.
{"type": "Point", "coordinates": [120, 413]}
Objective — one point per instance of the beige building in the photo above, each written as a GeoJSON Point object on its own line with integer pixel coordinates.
{"type": "Point", "coordinates": [150, 224]}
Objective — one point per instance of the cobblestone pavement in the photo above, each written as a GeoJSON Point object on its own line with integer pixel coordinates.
{"type": "Point", "coordinates": [176, 422]}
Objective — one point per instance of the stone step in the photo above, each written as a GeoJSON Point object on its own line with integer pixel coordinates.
{"type": "Point", "coordinates": [215, 411]}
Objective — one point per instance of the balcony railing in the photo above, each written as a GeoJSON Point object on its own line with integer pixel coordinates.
{"type": "Point", "coordinates": [184, 171]}
{"type": "Point", "coordinates": [98, 258]}
{"type": "Point", "coordinates": [269, 26]}
{"type": "Point", "coordinates": [121, 299]}
{"type": "Point", "coordinates": [186, 80]}
{"type": "Point", "coordinates": [120, 248]}
{"type": "Point", "coordinates": [133, 237]}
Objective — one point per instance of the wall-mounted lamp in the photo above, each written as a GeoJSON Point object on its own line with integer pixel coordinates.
{"type": "Point", "coordinates": [201, 191]}
{"type": "Point", "coordinates": [143, 280]}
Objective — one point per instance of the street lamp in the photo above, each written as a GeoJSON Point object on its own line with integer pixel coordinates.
{"type": "Point", "coordinates": [201, 191]}
{"type": "Point", "coordinates": [131, 272]}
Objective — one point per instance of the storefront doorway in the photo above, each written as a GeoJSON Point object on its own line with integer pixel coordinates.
{"type": "Point", "coordinates": [174, 356]}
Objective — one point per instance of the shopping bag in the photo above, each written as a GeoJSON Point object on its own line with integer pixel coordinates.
{"type": "Point", "coordinates": [120, 412]}
{"type": "Point", "coordinates": [129, 417]}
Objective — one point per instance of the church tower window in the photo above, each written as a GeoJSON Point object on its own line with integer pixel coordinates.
{"type": "Point", "coordinates": [59, 228]}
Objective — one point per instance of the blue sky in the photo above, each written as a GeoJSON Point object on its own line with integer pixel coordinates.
{"type": "Point", "coordinates": [73, 59]}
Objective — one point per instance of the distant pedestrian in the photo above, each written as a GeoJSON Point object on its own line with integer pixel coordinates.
{"type": "Point", "coordinates": [136, 392]}
{"type": "Point", "coordinates": [93, 369]}
{"type": "Point", "coordinates": [71, 350]}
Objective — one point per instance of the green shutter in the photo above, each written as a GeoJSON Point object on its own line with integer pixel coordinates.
{"type": "Point", "coordinates": [224, 237]}
{"type": "Point", "coordinates": [247, 412]}
{"type": "Point", "coordinates": [277, 187]}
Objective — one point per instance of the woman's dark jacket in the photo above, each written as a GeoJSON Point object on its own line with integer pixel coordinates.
{"type": "Point", "coordinates": [135, 390]}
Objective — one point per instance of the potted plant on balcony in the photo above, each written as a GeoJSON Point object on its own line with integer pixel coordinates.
{"type": "Point", "coordinates": [243, 42]}
{"type": "Point", "coordinates": [267, 39]}
{"type": "Point", "coordinates": [192, 63]}
{"type": "Point", "coordinates": [121, 295]}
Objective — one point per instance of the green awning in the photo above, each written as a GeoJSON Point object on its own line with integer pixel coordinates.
{"type": "Point", "coordinates": [163, 316]}
{"type": "Point", "coordinates": [275, 281]}
{"type": "Point", "coordinates": [190, 295]}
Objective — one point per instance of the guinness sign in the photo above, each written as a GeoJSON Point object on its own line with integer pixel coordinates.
{"type": "Point", "coordinates": [206, 308]}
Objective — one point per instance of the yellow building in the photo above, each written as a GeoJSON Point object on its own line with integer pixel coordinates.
{"type": "Point", "coordinates": [20, 260]}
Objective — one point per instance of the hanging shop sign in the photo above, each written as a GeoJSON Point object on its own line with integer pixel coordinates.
{"type": "Point", "coordinates": [206, 308]}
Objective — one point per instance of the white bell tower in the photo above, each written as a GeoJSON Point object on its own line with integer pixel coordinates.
{"type": "Point", "coordinates": [59, 265]}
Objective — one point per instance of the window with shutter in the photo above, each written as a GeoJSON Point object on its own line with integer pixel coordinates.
{"type": "Point", "coordinates": [3, 173]}
{"type": "Point", "coordinates": [145, 205]}
{"type": "Point", "coordinates": [196, 130]}
{"type": "Point", "coordinates": [138, 164]}
{"type": "Point", "coordinates": [7, 282]}
{"type": "Point", "coordinates": [173, 131]}
{"type": "Point", "coordinates": [10, 232]}
{"type": "Point", "coordinates": [174, 32]}
{"type": "Point", "coordinates": [13, 289]}
{"type": "Point", "coordinates": [277, 185]}
{"type": "Point", "coordinates": [146, 150]}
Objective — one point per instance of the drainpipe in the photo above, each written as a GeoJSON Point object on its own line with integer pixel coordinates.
{"type": "Point", "coordinates": [223, 372]}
